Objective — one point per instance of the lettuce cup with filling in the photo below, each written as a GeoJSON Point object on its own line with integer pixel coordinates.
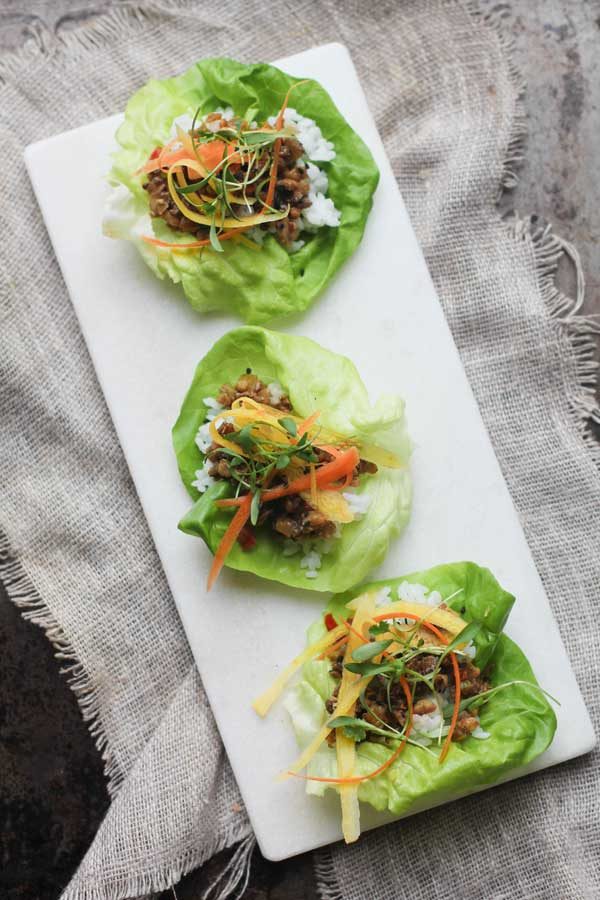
{"type": "Point", "coordinates": [242, 184]}
{"type": "Point", "coordinates": [295, 476]}
{"type": "Point", "coordinates": [410, 694]}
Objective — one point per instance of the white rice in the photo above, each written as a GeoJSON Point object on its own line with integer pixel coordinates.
{"type": "Point", "coordinates": [358, 503]}
{"type": "Point", "coordinates": [312, 563]}
{"type": "Point", "coordinates": [309, 134]}
{"type": "Point", "coordinates": [203, 480]}
{"type": "Point", "coordinates": [470, 650]}
{"type": "Point", "coordinates": [203, 438]}
{"type": "Point", "coordinates": [428, 721]}
{"type": "Point", "coordinates": [257, 234]}
{"type": "Point", "coordinates": [296, 245]}
{"type": "Point", "coordinates": [418, 593]}
{"type": "Point", "coordinates": [213, 406]}
{"type": "Point", "coordinates": [276, 392]}
{"type": "Point", "coordinates": [321, 212]}
{"type": "Point", "coordinates": [319, 182]}
{"type": "Point", "coordinates": [480, 734]}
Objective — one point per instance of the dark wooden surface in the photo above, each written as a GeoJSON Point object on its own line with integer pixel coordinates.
{"type": "Point", "coordinates": [52, 793]}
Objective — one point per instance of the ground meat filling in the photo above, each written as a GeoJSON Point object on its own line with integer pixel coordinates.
{"type": "Point", "coordinates": [291, 189]}
{"type": "Point", "coordinates": [248, 385]}
{"type": "Point", "coordinates": [394, 712]}
{"type": "Point", "coordinates": [295, 518]}
{"type": "Point", "coordinates": [162, 206]}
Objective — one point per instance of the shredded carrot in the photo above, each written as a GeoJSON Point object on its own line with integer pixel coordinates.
{"type": "Point", "coordinates": [325, 475]}
{"type": "Point", "coordinates": [174, 246]}
{"type": "Point", "coordinates": [211, 153]}
{"type": "Point", "coordinates": [455, 669]}
{"type": "Point", "coordinates": [273, 174]}
{"type": "Point", "coordinates": [356, 779]}
{"type": "Point", "coordinates": [456, 710]}
{"type": "Point", "coordinates": [313, 484]}
{"type": "Point", "coordinates": [277, 146]}
{"type": "Point", "coordinates": [363, 639]}
{"type": "Point", "coordinates": [229, 539]}
{"type": "Point", "coordinates": [335, 648]}
{"type": "Point", "coordinates": [335, 452]}
{"type": "Point", "coordinates": [304, 426]}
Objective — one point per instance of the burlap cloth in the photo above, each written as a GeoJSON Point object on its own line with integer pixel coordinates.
{"type": "Point", "coordinates": [77, 557]}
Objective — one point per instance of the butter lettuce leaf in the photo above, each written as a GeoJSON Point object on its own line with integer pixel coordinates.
{"type": "Point", "coordinates": [315, 379]}
{"type": "Point", "coordinates": [257, 285]}
{"type": "Point", "coordinates": [519, 720]}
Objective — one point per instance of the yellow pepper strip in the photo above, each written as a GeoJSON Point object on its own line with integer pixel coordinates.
{"type": "Point", "coordinates": [443, 618]}
{"type": "Point", "coordinates": [310, 750]}
{"type": "Point", "coordinates": [346, 747]}
{"type": "Point", "coordinates": [263, 704]}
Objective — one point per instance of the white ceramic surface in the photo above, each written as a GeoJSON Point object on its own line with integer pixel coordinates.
{"type": "Point", "coordinates": [382, 312]}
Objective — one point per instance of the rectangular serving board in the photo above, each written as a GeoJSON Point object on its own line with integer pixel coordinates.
{"type": "Point", "coordinates": [382, 311]}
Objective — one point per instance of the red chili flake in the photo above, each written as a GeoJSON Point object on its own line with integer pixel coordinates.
{"type": "Point", "coordinates": [155, 153]}
{"type": "Point", "coordinates": [330, 622]}
{"type": "Point", "coordinates": [247, 538]}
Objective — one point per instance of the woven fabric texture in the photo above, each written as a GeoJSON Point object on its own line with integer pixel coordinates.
{"type": "Point", "coordinates": [74, 551]}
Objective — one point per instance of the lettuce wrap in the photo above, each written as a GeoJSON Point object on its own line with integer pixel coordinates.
{"type": "Point", "coordinates": [256, 283]}
{"type": "Point", "coordinates": [516, 722]}
{"type": "Point", "coordinates": [315, 379]}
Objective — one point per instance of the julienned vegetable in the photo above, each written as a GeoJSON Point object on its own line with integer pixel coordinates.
{"type": "Point", "coordinates": [241, 183]}
{"type": "Point", "coordinates": [296, 477]}
{"type": "Point", "coordinates": [411, 694]}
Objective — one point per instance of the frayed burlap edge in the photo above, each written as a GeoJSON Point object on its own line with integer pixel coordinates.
{"type": "Point", "coordinates": [230, 882]}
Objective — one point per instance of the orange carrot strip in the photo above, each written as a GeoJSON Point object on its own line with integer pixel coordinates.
{"type": "Point", "coordinates": [363, 639]}
{"type": "Point", "coordinates": [325, 475]}
{"type": "Point", "coordinates": [454, 720]}
{"type": "Point", "coordinates": [331, 651]}
{"type": "Point", "coordinates": [191, 246]}
{"type": "Point", "coordinates": [346, 462]}
{"type": "Point", "coordinates": [335, 452]}
{"type": "Point", "coordinates": [229, 539]}
{"type": "Point", "coordinates": [308, 423]}
{"type": "Point", "coordinates": [356, 779]}
{"type": "Point", "coordinates": [277, 147]}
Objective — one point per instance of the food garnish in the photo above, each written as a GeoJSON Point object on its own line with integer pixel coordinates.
{"type": "Point", "coordinates": [225, 176]}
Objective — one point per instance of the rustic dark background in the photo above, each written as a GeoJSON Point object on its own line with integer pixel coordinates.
{"type": "Point", "coordinates": [52, 793]}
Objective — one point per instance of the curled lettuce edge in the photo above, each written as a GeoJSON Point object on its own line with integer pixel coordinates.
{"type": "Point", "coordinates": [315, 379]}
{"type": "Point", "coordinates": [519, 720]}
{"type": "Point", "coordinates": [255, 285]}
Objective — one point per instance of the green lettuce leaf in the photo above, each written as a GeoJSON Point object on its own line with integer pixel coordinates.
{"type": "Point", "coordinates": [519, 719]}
{"type": "Point", "coordinates": [258, 286]}
{"type": "Point", "coordinates": [314, 378]}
